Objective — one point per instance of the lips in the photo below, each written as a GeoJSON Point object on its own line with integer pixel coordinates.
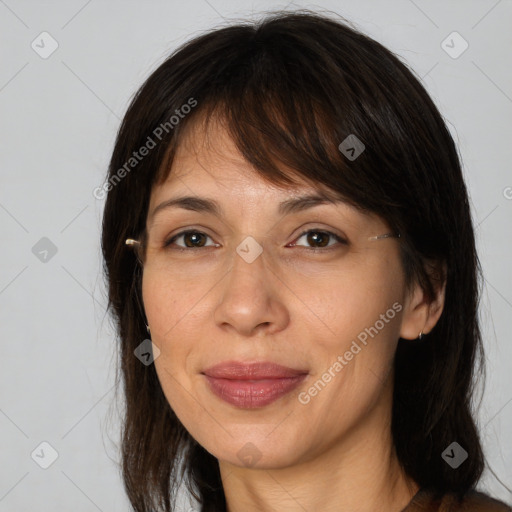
{"type": "Point", "coordinates": [252, 385]}
{"type": "Point", "coordinates": [253, 371]}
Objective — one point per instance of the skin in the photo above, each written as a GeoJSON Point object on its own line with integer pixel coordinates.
{"type": "Point", "coordinates": [288, 306]}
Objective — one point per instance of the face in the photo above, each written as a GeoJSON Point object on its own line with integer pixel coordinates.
{"type": "Point", "coordinates": [300, 307]}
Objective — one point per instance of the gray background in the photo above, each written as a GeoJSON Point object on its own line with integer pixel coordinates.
{"type": "Point", "coordinates": [59, 117]}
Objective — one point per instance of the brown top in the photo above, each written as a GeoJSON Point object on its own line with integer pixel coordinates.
{"type": "Point", "coordinates": [473, 501]}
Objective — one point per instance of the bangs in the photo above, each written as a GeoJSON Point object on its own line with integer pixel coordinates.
{"type": "Point", "coordinates": [285, 119]}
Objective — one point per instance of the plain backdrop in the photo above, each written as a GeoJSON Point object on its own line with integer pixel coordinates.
{"type": "Point", "coordinates": [59, 114]}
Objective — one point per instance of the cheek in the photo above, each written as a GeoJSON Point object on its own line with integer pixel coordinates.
{"type": "Point", "coordinates": [345, 303]}
{"type": "Point", "coordinates": [361, 312]}
{"type": "Point", "coordinates": [170, 313]}
{"type": "Point", "coordinates": [168, 302]}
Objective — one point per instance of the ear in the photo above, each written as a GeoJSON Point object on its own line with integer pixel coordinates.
{"type": "Point", "coordinates": [421, 314]}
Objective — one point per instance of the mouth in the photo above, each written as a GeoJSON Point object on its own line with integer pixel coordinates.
{"type": "Point", "coordinates": [254, 385]}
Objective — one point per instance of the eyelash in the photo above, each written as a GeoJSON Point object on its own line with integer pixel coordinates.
{"type": "Point", "coordinates": [167, 243]}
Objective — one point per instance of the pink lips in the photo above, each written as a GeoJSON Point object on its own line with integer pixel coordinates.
{"type": "Point", "coordinates": [252, 385]}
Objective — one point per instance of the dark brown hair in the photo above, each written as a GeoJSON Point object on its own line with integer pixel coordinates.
{"type": "Point", "coordinates": [290, 88]}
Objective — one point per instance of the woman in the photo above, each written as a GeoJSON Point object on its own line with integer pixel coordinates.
{"type": "Point", "coordinates": [287, 219]}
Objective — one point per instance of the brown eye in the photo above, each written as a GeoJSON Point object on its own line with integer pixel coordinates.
{"type": "Point", "coordinates": [319, 239]}
{"type": "Point", "coordinates": [192, 240]}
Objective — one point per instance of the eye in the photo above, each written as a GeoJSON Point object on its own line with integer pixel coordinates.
{"type": "Point", "coordinates": [192, 239]}
{"type": "Point", "coordinates": [320, 238]}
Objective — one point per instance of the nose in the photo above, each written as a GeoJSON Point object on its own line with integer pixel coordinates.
{"type": "Point", "coordinates": [252, 299]}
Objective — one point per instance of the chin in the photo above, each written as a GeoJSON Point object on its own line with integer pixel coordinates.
{"type": "Point", "coordinates": [255, 446]}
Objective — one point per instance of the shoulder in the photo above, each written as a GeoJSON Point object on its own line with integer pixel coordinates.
{"type": "Point", "coordinates": [473, 501]}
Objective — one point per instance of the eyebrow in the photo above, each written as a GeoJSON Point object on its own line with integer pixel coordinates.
{"type": "Point", "coordinates": [205, 205]}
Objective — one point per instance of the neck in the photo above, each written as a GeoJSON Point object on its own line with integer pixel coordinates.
{"type": "Point", "coordinates": [359, 473]}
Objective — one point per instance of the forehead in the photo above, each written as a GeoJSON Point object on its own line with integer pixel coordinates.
{"type": "Point", "coordinates": [207, 159]}
{"type": "Point", "coordinates": [209, 154]}
{"type": "Point", "coordinates": [212, 175]}
{"type": "Point", "coordinates": [209, 176]}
